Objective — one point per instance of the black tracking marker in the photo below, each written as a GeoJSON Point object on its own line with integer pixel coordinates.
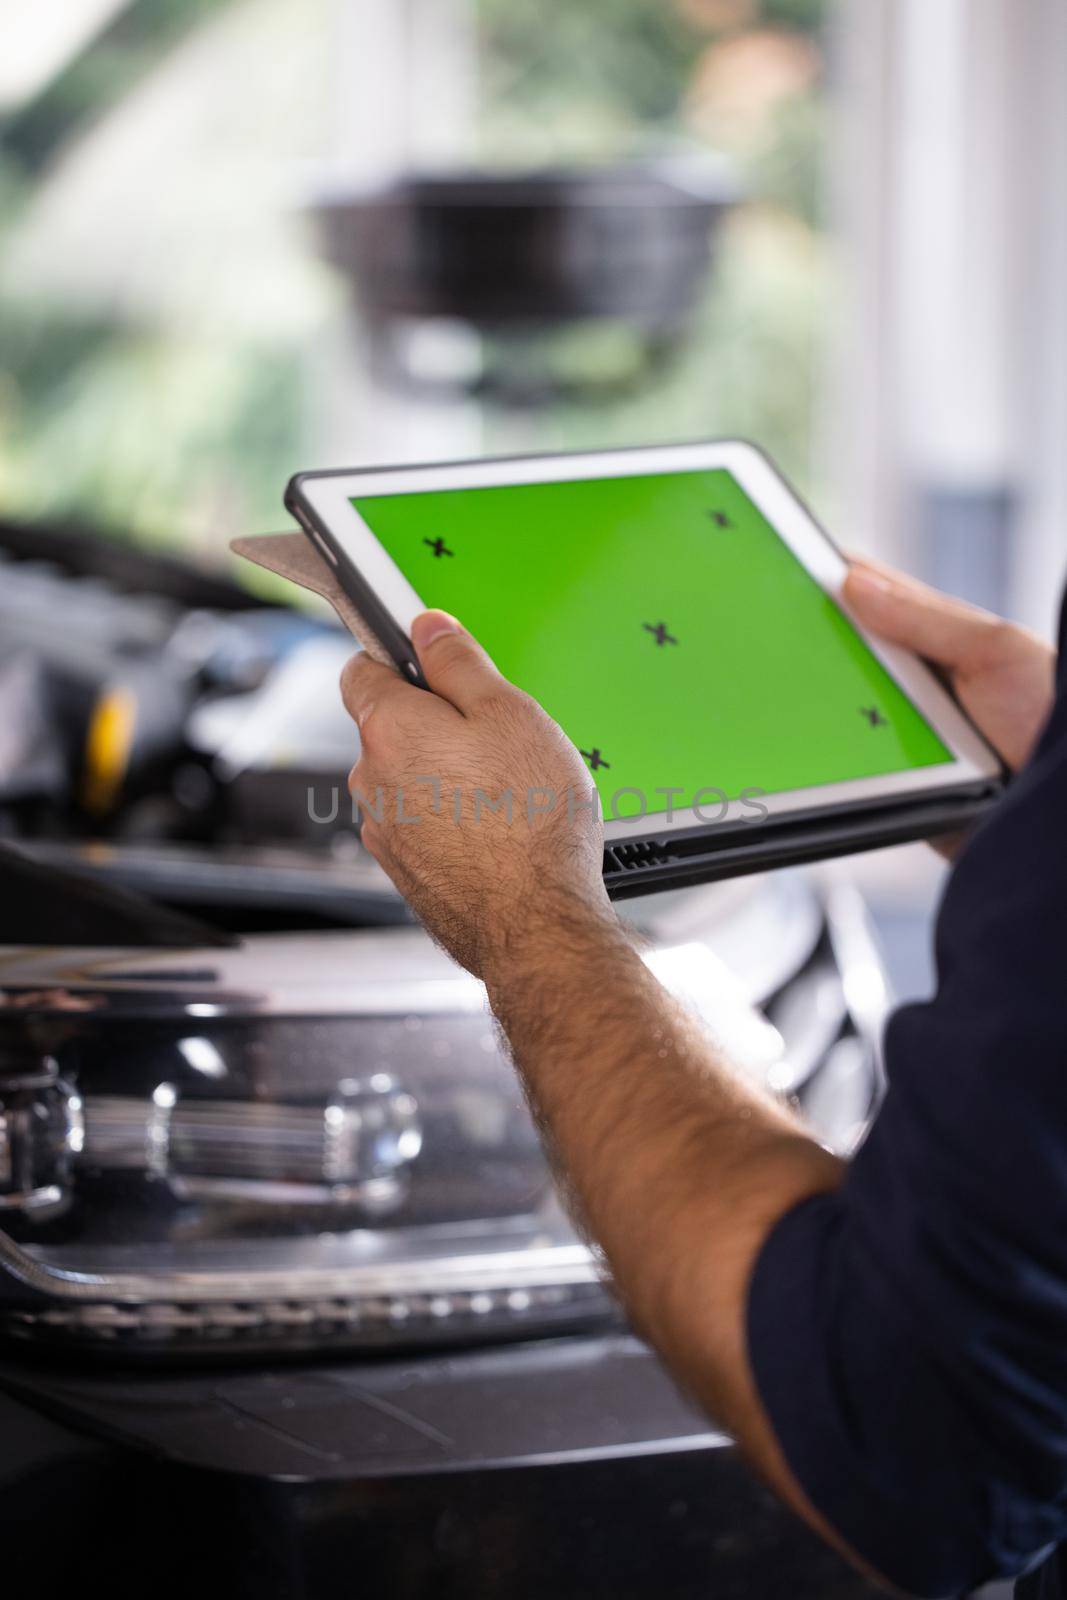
{"type": "Point", "coordinates": [595, 759]}
{"type": "Point", "coordinates": [439, 547]}
{"type": "Point", "coordinates": [874, 717]}
{"type": "Point", "coordinates": [659, 632]}
{"type": "Point", "coordinates": [720, 519]}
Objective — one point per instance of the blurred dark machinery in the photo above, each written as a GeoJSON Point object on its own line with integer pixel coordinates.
{"type": "Point", "coordinates": [523, 260]}
{"type": "Point", "coordinates": [106, 653]}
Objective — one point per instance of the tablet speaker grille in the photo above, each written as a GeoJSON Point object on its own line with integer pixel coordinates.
{"type": "Point", "coordinates": [632, 857]}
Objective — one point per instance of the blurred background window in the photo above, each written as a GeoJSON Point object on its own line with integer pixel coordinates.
{"type": "Point", "coordinates": [172, 341]}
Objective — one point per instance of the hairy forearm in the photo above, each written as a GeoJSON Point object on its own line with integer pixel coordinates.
{"type": "Point", "coordinates": [679, 1166]}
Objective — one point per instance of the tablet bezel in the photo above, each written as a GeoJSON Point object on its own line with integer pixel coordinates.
{"type": "Point", "coordinates": [326, 498]}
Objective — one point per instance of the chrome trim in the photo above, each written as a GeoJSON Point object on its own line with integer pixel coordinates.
{"type": "Point", "coordinates": [355, 1143]}
{"type": "Point", "coordinates": [535, 1266]}
{"type": "Point", "coordinates": [41, 1130]}
{"type": "Point", "coordinates": [864, 979]}
{"type": "Point", "coordinates": [810, 1014]}
{"type": "Point", "coordinates": [326, 1318]}
{"type": "Point", "coordinates": [762, 929]}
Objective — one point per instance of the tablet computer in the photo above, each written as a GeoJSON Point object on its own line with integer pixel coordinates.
{"type": "Point", "coordinates": [677, 610]}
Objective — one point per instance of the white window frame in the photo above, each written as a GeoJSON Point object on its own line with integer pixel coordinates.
{"type": "Point", "coordinates": [952, 373]}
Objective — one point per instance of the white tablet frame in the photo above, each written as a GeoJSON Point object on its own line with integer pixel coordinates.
{"type": "Point", "coordinates": [328, 497]}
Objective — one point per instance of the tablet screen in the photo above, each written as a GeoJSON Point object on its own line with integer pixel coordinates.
{"type": "Point", "coordinates": [666, 626]}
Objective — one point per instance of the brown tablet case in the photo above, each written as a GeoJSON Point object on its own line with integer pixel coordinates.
{"type": "Point", "coordinates": [293, 556]}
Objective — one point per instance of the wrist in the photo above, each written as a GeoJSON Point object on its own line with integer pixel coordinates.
{"type": "Point", "coordinates": [549, 934]}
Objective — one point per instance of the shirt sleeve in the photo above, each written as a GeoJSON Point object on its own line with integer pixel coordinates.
{"type": "Point", "coordinates": [908, 1333]}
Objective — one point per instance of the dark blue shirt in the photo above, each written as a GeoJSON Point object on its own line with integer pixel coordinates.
{"type": "Point", "coordinates": [909, 1333]}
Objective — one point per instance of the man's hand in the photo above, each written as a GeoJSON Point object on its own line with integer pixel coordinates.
{"type": "Point", "coordinates": [474, 801]}
{"type": "Point", "coordinates": [1003, 675]}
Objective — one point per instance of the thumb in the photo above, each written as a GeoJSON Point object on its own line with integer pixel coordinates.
{"type": "Point", "coordinates": [453, 663]}
{"type": "Point", "coordinates": [907, 612]}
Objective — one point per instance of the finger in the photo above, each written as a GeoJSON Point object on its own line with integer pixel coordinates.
{"type": "Point", "coordinates": [907, 612]}
{"type": "Point", "coordinates": [899, 579]}
{"type": "Point", "coordinates": [453, 663]}
{"type": "Point", "coordinates": [367, 685]}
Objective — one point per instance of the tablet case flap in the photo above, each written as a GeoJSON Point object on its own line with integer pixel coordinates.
{"type": "Point", "coordinates": [293, 556]}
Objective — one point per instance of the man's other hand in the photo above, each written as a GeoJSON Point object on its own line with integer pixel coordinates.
{"type": "Point", "coordinates": [473, 800]}
{"type": "Point", "coordinates": [1002, 675]}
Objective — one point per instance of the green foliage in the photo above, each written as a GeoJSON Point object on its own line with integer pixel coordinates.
{"type": "Point", "coordinates": [787, 168]}
{"type": "Point", "coordinates": [578, 78]}
{"type": "Point", "coordinates": [590, 80]}
{"type": "Point", "coordinates": [750, 367]}
{"type": "Point", "coordinates": [806, 15]}
{"type": "Point", "coordinates": [611, 77]}
{"type": "Point", "coordinates": [627, 50]}
{"type": "Point", "coordinates": [169, 435]}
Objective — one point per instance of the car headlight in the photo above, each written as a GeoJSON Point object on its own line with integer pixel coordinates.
{"type": "Point", "coordinates": [316, 1141]}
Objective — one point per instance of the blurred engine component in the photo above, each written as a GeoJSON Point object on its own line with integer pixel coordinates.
{"type": "Point", "coordinates": [32, 759]}
{"type": "Point", "coordinates": [41, 1130]}
{"type": "Point", "coordinates": [99, 680]}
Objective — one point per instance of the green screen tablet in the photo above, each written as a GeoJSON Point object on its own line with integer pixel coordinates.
{"type": "Point", "coordinates": [665, 626]}
{"type": "Point", "coordinates": [674, 611]}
